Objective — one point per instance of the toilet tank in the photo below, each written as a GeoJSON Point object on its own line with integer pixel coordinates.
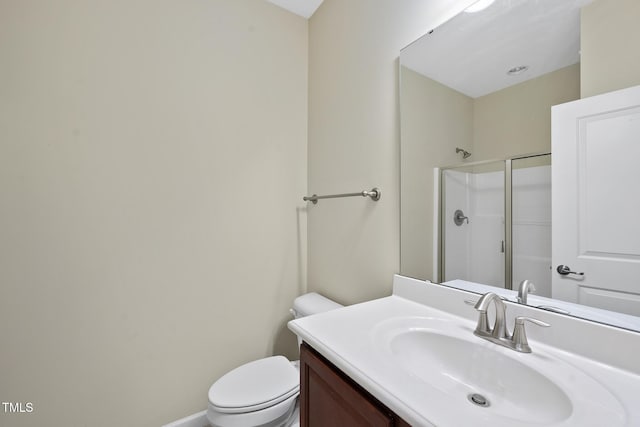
{"type": "Point", "coordinates": [312, 303]}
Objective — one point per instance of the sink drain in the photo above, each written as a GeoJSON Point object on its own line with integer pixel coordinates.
{"type": "Point", "coordinates": [478, 399]}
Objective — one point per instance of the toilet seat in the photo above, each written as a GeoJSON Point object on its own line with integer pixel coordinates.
{"type": "Point", "coordinates": [255, 386]}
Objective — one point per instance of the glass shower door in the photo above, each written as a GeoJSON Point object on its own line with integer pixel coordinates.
{"type": "Point", "coordinates": [531, 222]}
{"type": "Point", "coordinates": [472, 223]}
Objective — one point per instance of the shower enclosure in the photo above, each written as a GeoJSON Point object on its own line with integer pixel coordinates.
{"type": "Point", "coordinates": [495, 222]}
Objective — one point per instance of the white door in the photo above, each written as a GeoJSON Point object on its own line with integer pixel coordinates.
{"type": "Point", "coordinates": [596, 200]}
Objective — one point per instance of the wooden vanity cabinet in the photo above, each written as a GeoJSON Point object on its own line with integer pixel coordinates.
{"type": "Point", "coordinates": [329, 398]}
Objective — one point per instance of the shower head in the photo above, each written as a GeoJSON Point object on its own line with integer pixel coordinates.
{"type": "Point", "coordinates": [465, 153]}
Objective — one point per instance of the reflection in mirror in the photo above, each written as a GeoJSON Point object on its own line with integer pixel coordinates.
{"type": "Point", "coordinates": [531, 222]}
{"type": "Point", "coordinates": [473, 250]}
{"type": "Point", "coordinates": [485, 83]}
{"type": "Point", "coordinates": [509, 239]}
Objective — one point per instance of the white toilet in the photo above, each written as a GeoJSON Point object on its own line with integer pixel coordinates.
{"type": "Point", "coordinates": [263, 393]}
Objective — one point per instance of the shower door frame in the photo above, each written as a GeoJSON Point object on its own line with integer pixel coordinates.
{"type": "Point", "coordinates": [439, 258]}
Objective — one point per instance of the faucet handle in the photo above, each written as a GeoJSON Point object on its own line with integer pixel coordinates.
{"type": "Point", "coordinates": [519, 337]}
{"type": "Point", "coordinates": [521, 319]}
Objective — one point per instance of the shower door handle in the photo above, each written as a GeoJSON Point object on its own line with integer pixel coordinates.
{"type": "Point", "coordinates": [565, 270]}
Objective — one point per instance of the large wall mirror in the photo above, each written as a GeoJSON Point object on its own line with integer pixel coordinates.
{"type": "Point", "coordinates": [476, 95]}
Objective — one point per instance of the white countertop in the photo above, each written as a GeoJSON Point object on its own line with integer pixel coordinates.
{"type": "Point", "coordinates": [349, 338]}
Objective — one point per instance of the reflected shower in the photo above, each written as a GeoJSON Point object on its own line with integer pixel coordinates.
{"type": "Point", "coordinates": [465, 153]}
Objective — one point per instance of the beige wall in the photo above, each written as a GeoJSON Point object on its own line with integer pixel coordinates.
{"type": "Point", "coordinates": [610, 35]}
{"type": "Point", "coordinates": [152, 161]}
{"type": "Point", "coordinates": [517, 120]}
{"type": "Point", "coordinates": [435, 120]}
{"type": "Point", "coordinates": [354, 140]}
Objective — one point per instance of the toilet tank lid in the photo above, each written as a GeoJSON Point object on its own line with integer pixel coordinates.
{"type": "Point", "coordinates": [312, 303]}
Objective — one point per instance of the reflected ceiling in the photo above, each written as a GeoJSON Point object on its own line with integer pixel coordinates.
{"type": "Point", "coordinates": [479, 48]}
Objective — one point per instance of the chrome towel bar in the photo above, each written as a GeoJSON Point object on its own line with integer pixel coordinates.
{"type": "Point", "coordinates": [374, 194]}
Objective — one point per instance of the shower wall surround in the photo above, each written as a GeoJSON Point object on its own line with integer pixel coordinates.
{"type": "Point", "coordinates": [531, 226]}
{"type": "Point", "coordinates": [473, 251]}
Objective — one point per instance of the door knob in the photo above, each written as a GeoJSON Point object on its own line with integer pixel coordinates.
{"type": "Point", "coordinates": [566, 270]}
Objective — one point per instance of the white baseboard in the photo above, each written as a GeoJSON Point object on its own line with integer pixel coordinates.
{"type": "Point", "coordinates": [195, 420]}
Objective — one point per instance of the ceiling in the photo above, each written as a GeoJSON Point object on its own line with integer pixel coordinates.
{"type": "Point", "coordinates": [472, 52]}
{"type": "Point", "coordinates": [304, 8]}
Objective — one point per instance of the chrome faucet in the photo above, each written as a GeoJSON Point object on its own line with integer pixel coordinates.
{"type": "Point", "coordinates": [524, 289]}
{"type": "Point", "coordinates": [499, 334]}
{"type": "Point", "coordinates": [499, 329]}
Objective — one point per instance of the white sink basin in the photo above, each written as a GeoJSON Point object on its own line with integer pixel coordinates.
{"type": "Point", "coordinates": [415, 352]}
{"type": "Point", "coordinates": [503, 386]}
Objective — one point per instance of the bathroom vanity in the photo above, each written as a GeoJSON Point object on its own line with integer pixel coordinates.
{"type": "Point", "coordinates": [413, 359]}
{"type": "Point", "coordinates": [328, 397]}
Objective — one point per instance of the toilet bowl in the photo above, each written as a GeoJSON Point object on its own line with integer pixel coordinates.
{"type": "Point", "coordinates": [263, 393]}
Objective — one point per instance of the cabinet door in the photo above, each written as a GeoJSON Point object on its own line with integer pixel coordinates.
{"type": "Point", "coordinates": [328, 398]}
